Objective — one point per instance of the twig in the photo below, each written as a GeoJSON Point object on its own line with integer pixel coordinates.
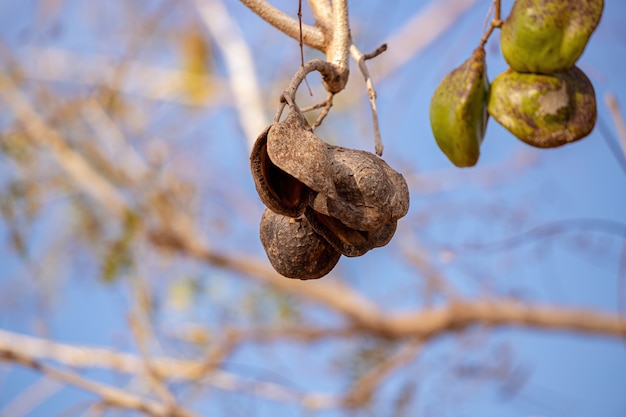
{"type": "Point", "coordinates": [326, 69]}
{"type": "Point", "coordinates": [328, 104]}
{"type": "Point", "coordinates": [29, 350]}
{"type": "Point", "coordinates": [496, 22]}
{"type": "Point", "coordinates": [371, 92]}
{"type": "Point", "coordinates": [142, 331]}
{"type": "Point", "coordinates": [111, 395]}
{"type": "Point", "coordinates": [364, 388]}
{"type": "Point", "coordinates": [618, 120]}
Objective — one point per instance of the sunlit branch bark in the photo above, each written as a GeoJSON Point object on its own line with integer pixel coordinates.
{"type": "Point", "coordinates": [29, 351]}
{"type": "Point", "coordinates": [322, 12]}
{"type": "Point", "coordinates": [498, 313]}
{"type": "Point", "coordinates": [111, 395]}
{"type": "Point", "coordinates": [312, 36]}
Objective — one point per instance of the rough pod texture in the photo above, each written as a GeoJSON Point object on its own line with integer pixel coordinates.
{"type": "Point", "coordinates": [294, 249]}
{"type": "Point", "coordinates": [288, 164]}
{"type": "Point", "coordinates": [548, 36]}
{"type": "Point", "coordinates": [369, 192]}
{"type": "Point", "coordinates": [296, 150]}
{"type": "Point", "coordinates": [277, 189]}
{"type": "Point", "coordinates": [458, 111]}
{"type": "Point", "coordinates": [346, 240]}
{"type": "Point", "coordinates": [544, 110]}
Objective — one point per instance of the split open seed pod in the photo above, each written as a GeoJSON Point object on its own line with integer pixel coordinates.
{"type": "Point", "coordinates": [542, 110]}
{"type": "Point", "coordinates": [369, 192]}
{"type": "Point", "coordinates": [288, 164]}
{"type": "Point", "coordinates": [293, 247]}
{"type": "Point", "coordinates": [349, 241]}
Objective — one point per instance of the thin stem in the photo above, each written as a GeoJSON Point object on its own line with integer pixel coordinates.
{"type": "Point", "coordinates": [360, 58]}
{"type": "Point", "coordinates": [327, 104]}
{"type": "Point", "coordinates": [618, 120]}
{"type": "Point", "coordinates": [301, 45]}
{"type": "Point", "coordinates": [326, 69]}
{"type": "Point", "coordinates": [496, 22]}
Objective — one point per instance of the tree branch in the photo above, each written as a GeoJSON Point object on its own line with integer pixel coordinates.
{"type": "Point", "coordinates": [498, 313]}
{"type": "Point", "coordinates": [28, 350]}
{"type": "Point", "coordinates": [112, 396]}
{"type": "Point", "coordinates": [311, 36]}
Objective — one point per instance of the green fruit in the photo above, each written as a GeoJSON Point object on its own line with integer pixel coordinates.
{"type": "Point", "coordinates": [544, 110]}
{"type": "Point", "coordinates": [548, 36]}
{"type": "Point", "coordinates": [458, 115]}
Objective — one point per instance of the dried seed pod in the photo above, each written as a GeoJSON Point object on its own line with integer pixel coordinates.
{"type": "Point", "coordinates": [294, 148]}
{"type": "Point", "coordinates": [548, 36]}
{"type": "Point", "coordinates": [294, 249]}
{"type": "Point", "coordinates": [349, 241]}
{"type": "Point", "coordinates": [369, 192]}
{"type": "Point", "coordinates": [545, 111]}
{"type": "Point", "coordinates": [277, 189]}
{"type": "Point", "coordinates": [458, 111]}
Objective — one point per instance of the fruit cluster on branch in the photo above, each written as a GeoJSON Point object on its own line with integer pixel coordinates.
{"type": "Point", "coordinates": [543, 98]}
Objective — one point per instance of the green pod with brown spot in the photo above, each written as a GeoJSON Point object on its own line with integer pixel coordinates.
{"type": "Point", "coordinates": [458, 115]}
{"type": "Point", "coordinates": [548, 36]}
{"type": "Point", "coordinates": [543, 110]}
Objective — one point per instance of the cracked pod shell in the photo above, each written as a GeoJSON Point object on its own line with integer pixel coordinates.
{"type": "Point", "coordinates": [293, 147]}
{"type": "Point", "coordinates": [288, 164]}
{"type": "Point", "coordinates": [369, 192]}
{"type": "Point", "coordinates": [350, 242]}
{"type": "Point", "coordinates": [458, 111]}
{"type": "Point", "coordinates": [544, 111]}
{"type": "Point", "coordinates": [294, 249]}
{"type": "Point", "coordinates": [548, 36]}
{"type": "Point", "coordinates": [278, 190]}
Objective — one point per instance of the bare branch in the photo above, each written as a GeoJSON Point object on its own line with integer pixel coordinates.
{"type": "Point", "coordinates": [311, 36]}
{"type": "Point", "coordinates": [365, 387]}
{"type": "Point", "coordinates": [113, 396]}
{"type": "Point", "coordinates": [618, 120]}
{"type": "Point", "coordinates": [461, 314]}
{"type": "Point", "coordinates": [338, 49]}
{"type": "Point", "coordinates": [27, 350]}
{"type": "Point", "coordinates": [323, 12]}
{"type": "Point", "coordinates": [360, 58]}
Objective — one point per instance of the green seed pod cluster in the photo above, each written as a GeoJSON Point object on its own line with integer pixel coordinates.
{"type": "Point", "coordinates": [322, 201]}
{"type": "Point", "coordinates": [544, 99]}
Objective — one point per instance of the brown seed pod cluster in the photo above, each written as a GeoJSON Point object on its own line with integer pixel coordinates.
{"type": "Point", "coordinates": [322, 201]}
